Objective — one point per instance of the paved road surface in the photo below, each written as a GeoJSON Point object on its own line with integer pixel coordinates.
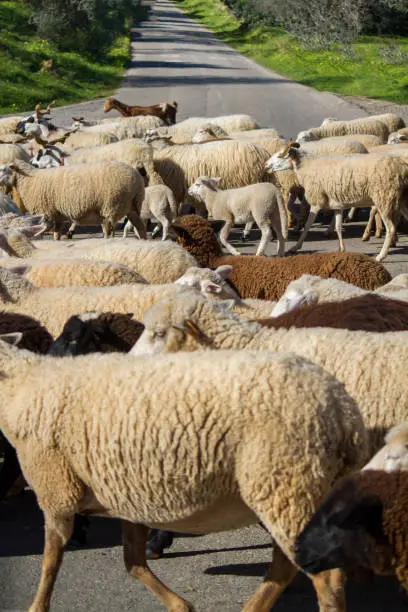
{"type": "Point", "coordinates": [174, 58]}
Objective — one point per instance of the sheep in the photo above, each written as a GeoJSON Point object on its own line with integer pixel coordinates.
{"type": "Point", "coordinates": [91, 332]}
{"type": "Point", "coordinates": [261, 202]}
{"type": "Point", "coordinates": [336, 182]}
{"type": "Point", "coordinates": [341, 146]}
{"type": "Point", "coordinates": [361, 360]}
{"type": "Point", "coordinates": [73, 272]}
{"type": "Point", "coordinates": [238, 163]}
{"type": "Point", "coordinates": [367, 313]}
{"type": "Point", "coordinates": [368, 140]}
{"type": "Point", "coordinates": [185, 130]}
{"type": "Point", "coordinates": [225, 481]}
{"type": "Point", "coordinates": [398, 136]}
{"type": "Point", "coordinates": [49, 157]}
{"type": "Point", "coordinates": [11, 152]}
{"type": "Point", "coordinates": [160, 204]}
{"type": "Point", "coordinates": [394, 455]}
{"type": "Point", "coordinates": [361, 523]}
{"type": "Point", "coordinates": [210, 282]}
{"type": "Point", "coordinates": [102, 192]}
{"type": "Point", "coordinates": [392, 121]}
{"type": "Point", "coordinates": [366, 125]}
{"type": "Point", "coordinates": [158, 263]}
{"type": "Point", "coordinates": [133, 152]}
{"type": "Point", "coordinates": [266, 139]}
{"type": "Point", "coordinates": [9, 124]}
{"type": "Point", "coordinates": [309, 290]}
{"type": "Point", "coordinates": [267, 278]}
{"type": "Point", "coordinates": [81, 139]}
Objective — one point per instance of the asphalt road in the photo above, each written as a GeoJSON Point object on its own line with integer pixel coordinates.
{"type": "Point", "coordinates": [174, 58]}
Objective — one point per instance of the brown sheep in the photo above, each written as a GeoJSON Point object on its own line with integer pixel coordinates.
{"type": "Point", "coordinates": [266, 277]}
{"type": "Point", "coordinates": [369, 312]}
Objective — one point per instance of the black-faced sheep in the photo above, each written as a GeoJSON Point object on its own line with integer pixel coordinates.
{"type": "Point", "coordinates": [266, 277]}
{"type": "Point", "coordinates": [362, 523]}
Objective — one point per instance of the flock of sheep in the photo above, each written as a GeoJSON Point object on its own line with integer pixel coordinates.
{"type": "Point", "coordinates": [254, 418]}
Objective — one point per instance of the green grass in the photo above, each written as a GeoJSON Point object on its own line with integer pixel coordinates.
{"type": "Point", "coordinates": [365, 75]}
{"type": "Point", "coordinates": [75, 78]}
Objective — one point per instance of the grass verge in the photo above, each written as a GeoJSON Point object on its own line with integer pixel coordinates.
{"type": "Point", "coordinates": [75, 77]}
{"type": "Point", "coordinates": [365, 74]}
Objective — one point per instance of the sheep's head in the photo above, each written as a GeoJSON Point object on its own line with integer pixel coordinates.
{"type": "Point", "coordinates": [345, 532]}
{"type": "Point", "coordinates": [179, 323]}
{"type": "Point", "coordinates": [209, 282]}
{"type": "Point", "coordinates": [284, 159]}
{"type": "Point", "coordinates": [78, 122]}
{"type": "Point", "coordinates": [196, 235]}
{"type": "Point", "coordinates": [300, 293]}
{"type": "Point", "coordinates": [51, 157]}
{"type": "Point", "coordinates": [7, 176]}
{"type": "Point", "coordinates": [202, 185]}
{"type": "Point", "coordinates": [394, 455]}
{"type": "Point", "coordinates": [305, 136]}
{"type": "Point", "coordinates": [326, 121]}
{"type": "Point", "coordinates": [154, 136]}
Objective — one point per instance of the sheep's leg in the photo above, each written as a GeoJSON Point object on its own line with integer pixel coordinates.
{"type": "Point", "coordinates": [351, 214]}
{"type": "Point", "coordinates": [134, 544]}
{"type": "Point", "coordinates": [156, 229]}
{"type": "Point", "coordinates": [329, 588]}
{"type": "Point", "coordinates": [312, 216]}
{"type": "Point", "coordinates": [247, 230]}
{"type": "Point", "coordinates": [11, 468]}
{"type": "Point", "coordinates": [378, 226]}
{"type": "Point", "coordinates": [390, 235]}
{"type": "Point", "coordinates": [166, 227]}
{"type": "Point", "coordinates": [128, 227]}
{"type": "Point", "coordinates": [330, 227]}
{"type": "Point", "coordinates": [71, 230]}
{"type": "Point", "coordinates": [57, 533]}
{"type": "Point", "coordinates": [138, 223]}
{"type": "Point", "coordinates": [224, 233]}
{"type": "Point", "coordinates": [369, 226]}
{"type": "Point", "coordinates": [280, 574]}
{"type": "Point", "coordinates": [338, 217]}
{"type": "Point", "coordinates": [266, 235]}
{"type": "Point", "coordinates": [280, 247]}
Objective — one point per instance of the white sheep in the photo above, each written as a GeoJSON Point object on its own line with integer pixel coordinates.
{"type": "Point", "coordinates": [392, 121]}
{"type": "Point", "coordinates": [398, 137]}
{"type": "Point", "coordinates": [336, 182]}
{"type": "Point", "coordinates": [159, 204]}
{"type": "Point", "coordinates": [361, 360]}
{"type": "Point", "coordinates": [394, 455]}
{"type": "Point", "coordinates": [205, 452]}
{"type": "Point", "coordinates": [134, 152]}
{"type": "Point", "coordinates": [126, 127]}
{"type": "Point", "coordinates": [11, 152]}
{"type": "Point", "coordinates": [366, 125]}
{"type": "Point", "coordinates": [81, 139]}
{"type": "Point", "coordinates": [184, 131]}
{"type": "Point", "coordinates": [157, 262]}
{"type": "Point", "coordinates": [261, 203]}
{"type": "Point", "coordinates": [9, 124]}
{"type": "Point", "coordinates": [94, 193]}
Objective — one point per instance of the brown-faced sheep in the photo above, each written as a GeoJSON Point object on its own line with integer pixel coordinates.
{"type": "Point", "coordinates": [266, 277]}
{"type": "Point", "coordinates": [362, 523]}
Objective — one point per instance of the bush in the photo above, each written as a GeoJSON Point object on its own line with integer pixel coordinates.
{"type": "Point", "coordinates": [84, 25]}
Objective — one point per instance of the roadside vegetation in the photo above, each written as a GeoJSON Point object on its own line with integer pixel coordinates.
{"type": "Point", "coordinates": [89, 49]}
{"type": "Point", "coordinates": [356, 57]}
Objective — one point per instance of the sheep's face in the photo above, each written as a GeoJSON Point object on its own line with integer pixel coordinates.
{"type": "Point", "coordinates": [278, 162]}
{"type": "Point", "coordinates": [203, 135]}
{"type": "Point", "coordinates": [293, 299]}
{"type": "Point", "coordinates": [305, 136]}
{"type": "Point", "coordinates": [346, 532]}
{"type": "Point", "coordinates": [209, 282]}
{"type": "Point", "coordinates": [202, 185]}
{"type": "Point", "coordinates": [6, 177]}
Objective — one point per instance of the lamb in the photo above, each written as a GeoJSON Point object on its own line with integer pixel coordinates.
{"type": "Point", "coordinates": [238, 163]}
{"type": "Point", "coordinates": [267, 278]}
{"type": "Point", "coordinates": [309, 290]}
{"type": "Point", "coordinates": [136, 478]}
{"type": "Point", "coordinates": [379, 181]}
{"type": "Point", "coordinates": [261, 202]}
{"type": "Point", "coordinates": [158, 263]}
{"type": "Point", "coordinates": [78, 193]}
{"type": "Point", "coordinates": [91, 332]}
{"type": "Point", "coordinates": [133, 152]}
{"type": "Point", "coordinates": [160, 204]}
{"type": "Point", "coordinates": [73, 272]}
{"type": "Point", "coordinates": [11, 152]}
{"type": "Point", "coordinates": [392, 121]}
{"type": "Point", "coordinates": [367, 312]}
{"type": "Point", "coordinates": [394, 455]}
{"type": "Point", "coordinates": [366, 125]}
{"type": "Point", "coordinates": [361, 360]}
{"type": "Point", "coordinates": [362, 523]}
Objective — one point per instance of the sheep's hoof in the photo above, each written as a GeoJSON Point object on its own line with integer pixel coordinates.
{"type": "Point", "coordinates": [378, 234]}
{"type": "Point", "coordinates": [366, 237]}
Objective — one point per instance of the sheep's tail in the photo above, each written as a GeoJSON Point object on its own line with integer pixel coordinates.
{"type": "Point", "coordinates": [283, 215]}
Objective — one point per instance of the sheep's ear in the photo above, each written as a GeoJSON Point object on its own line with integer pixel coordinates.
{"type": "Point", "coordinates": [224, 271]}
{"type": "Point", "coordinates": [13, 338]}
{"type": "Point", "coordinates": [196, 333]}
{"type": "Point", "coordinates": [366, 513]}
{"type": "Point", "coordinates": [20, 270]}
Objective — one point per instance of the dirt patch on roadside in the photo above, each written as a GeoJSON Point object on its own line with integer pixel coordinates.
{"type": "Point", "coordinates": [377, 107]}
